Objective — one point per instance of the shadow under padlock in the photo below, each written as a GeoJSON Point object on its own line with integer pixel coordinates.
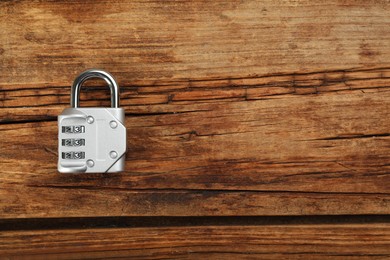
{"type": "Point", "coordinates": [92, 139]}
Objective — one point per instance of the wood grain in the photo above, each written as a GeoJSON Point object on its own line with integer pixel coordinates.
{"type": "Point", "coordinates": [46, 43]}
{"type": "Point", "coordinates": [233, 108]}
{"type": "Point", "coordinates": [263, 157]}
{"type": "Point", "coordinates": [42, 103]}
{"type": "Point", "coordinates": [245, 108]}
{"type": "Point", "coordinates": [351, 241]}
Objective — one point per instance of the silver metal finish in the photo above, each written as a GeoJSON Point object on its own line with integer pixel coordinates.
{"type": "Point", "coordinates": [90, 163]}
{"type": "Point", "coordinates": [90, 119]}
{"type": "Point", "coordinates": [113, 124]}
{"type": "Point", "coordinates": [113, 154]}
{"type": "Point", "coordinates": [89, 74]}
{"type": "Point", "coordinates": [92, 139]}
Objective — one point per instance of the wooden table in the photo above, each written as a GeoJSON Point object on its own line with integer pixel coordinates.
{"type": "Point", "coordinates": [256, 129]}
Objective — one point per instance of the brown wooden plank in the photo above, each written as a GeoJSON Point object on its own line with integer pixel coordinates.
{"type": "Point", "coordinates": [175, 96]}
{"type": "Point", "coordinates": [311, 154]}
{"type": "Point", "coordinates": [21, 202]}
{"type": "Point", "coordinates": [46, 43]}
{"type": "Point", "coordinates": [329, 241]}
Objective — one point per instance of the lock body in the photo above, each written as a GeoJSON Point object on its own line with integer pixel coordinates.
{"type": "Point", "coordinates": [91, 140]}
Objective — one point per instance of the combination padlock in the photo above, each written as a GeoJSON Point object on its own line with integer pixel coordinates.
{"type": "Point", "coordinates": [92, 139]}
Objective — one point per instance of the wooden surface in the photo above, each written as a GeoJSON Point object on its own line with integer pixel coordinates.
{"type": "Point", "coordinates": [293, 241]}
{"type": "Point", "coordinates": [233, 108]}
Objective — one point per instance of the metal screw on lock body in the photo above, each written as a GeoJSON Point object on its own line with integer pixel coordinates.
{"type": "Point", "coordinates": [92, 139]}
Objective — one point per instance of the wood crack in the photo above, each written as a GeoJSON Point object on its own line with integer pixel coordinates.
{"type": "Point", "coordinates": [352, 136]}
{"type": "Point", "coordinates": [200, 191]}
{"type": "Point", "coordinates": [176, 221]}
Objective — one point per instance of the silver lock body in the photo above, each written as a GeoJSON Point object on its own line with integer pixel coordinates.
{"type": "Point", "coordinates": [92, 139]}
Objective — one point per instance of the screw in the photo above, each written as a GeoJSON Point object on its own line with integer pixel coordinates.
{"type": "Point", "coordinates": [90, 119]}
{"type": "Point", "coordinates": [113, 154]}
{"type": "Point", "coordinates": [90, 163]}
{"type": "Point", "coordinates": [113, 124]}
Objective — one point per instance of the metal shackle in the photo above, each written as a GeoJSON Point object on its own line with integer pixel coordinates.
{"type": "Point", "coordinates": [89, 74]}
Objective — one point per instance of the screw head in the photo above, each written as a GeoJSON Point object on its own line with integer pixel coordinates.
{"type": "Point", "coordinates": [90, 119]}
{"type": "Point", "coordinates": [113, 124]}
{"type": "Point", "coordinates": [113, 154]}
{"type": "Point", "coordinates": [90, 163]}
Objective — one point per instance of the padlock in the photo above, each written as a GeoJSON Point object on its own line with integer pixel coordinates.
{"type": "Point", "coordinates": [92, 139]}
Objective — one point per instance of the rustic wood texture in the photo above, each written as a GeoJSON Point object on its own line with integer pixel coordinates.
{"type": "Point", "coordinates": [45, 43]}
{"type": "Point", "coordinates": [217, 242]}
{"type": "Point", "coordinates": [234, 108]}
{"type": "Point", "coordinates": [245, 158]}
{"type": "Point", "coordinates": [263, 121]}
